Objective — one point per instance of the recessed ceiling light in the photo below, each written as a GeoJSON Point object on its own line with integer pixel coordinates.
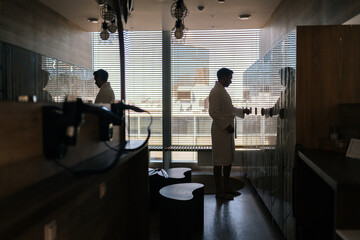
{"type": "Point", "coordinates": [100, 2]}
{"type": "Point", "coordinates": [200, 8]}
{"type": "Point", "coordinates": [221, 1]}
{"type": "Point", "coordinates": [244, 16]}
{"type": "Point", "coordinates": [93, 20]}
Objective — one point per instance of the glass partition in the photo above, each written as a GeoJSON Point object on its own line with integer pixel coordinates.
{"type": "Point", "coordinates": [270, 85]}
{"type": "Point", "coordinates": [27, 73]}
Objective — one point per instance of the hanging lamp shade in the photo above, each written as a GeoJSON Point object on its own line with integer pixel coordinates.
{"type": "Point", "coordinates": [104, 35]}
{"type": "Point", "coordinates": [112, 28]}
{"type": "Point", "coordinates": [178, 33]}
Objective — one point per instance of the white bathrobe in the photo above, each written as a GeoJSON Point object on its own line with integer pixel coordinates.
{"type": "Point", "coordinates": [105, 94]}
{"type": "Point", "coordinates": [222, 112]}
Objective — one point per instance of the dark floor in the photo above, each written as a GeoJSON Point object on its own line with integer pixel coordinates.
{"type": "Point", "coordinates": [244, 218]}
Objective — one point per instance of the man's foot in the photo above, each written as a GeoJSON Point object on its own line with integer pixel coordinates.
{"type": "Point", "coordinates": [232, 192]}
{"type": "Point", "coordinates": [224, 196]}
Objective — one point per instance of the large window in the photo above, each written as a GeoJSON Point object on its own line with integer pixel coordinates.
{"type": "Point", "coordinates": [106, 56]}
{"type": "Point", "coordinates": [143, 71]}
{"type": "Point", "coordinates": [194, 64]}
{"type": "Point", "coordinates": [143, 67]}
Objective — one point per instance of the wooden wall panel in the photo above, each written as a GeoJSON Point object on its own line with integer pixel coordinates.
{"type": "Point", "coordinates": [292, 13]}
{"type": "Point", "coordinates": [31, 25]}
{"type": "Point", "coordinates": [22, 161]}
{"type": "Point", "coordinates": [350, 64]}
{"type": "Point", "coordinates": [317, 84]}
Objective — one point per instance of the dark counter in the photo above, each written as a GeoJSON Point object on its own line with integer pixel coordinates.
{"type": "Point", "coordinates": [105, 205]}
{"type": "Point", "coordinates": [334, 168]}
{"type": "Point", "coordinates": [327, 194]}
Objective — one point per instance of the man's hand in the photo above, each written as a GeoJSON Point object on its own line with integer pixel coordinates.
{"type": "Point", "coordinates": [246, 111]}
{"type": "Point", "coordinates": [230, 129]}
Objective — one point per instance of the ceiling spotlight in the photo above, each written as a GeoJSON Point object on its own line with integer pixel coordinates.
{"type": "Point", "coordinates": [244, 16]}
{"type": "Point", "coordinates": [93, 20]}
{"type": "Point", "coordinates": [221, 1]}
{"type": "Point", "coordinates": [200, 8]}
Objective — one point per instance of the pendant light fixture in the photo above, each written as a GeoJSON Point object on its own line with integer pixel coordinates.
{"type": "Point", "coordinates": [179, 11]}
{"type": "Point", "coordinates": [104, 33]}
{"type": "Point", "coordinates": [109, 16]}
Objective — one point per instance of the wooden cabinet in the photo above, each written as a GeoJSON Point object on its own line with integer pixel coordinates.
{"type": "Point", "coordinates": [350, 64]}
{"type": "Point", "coordinates": [327, 75]}
{"type": "Point", "coordinates": [327, 90]}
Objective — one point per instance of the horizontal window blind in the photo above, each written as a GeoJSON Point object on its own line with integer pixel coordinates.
{"type": "Point", "coordinates": [195, 63]}
{"type": "Point", "coordinates": [263, 88]}
{"type": "Point", "coordinates": [143, 64]}
{"type": "Point", "coordinates": [143, 77]}
{"type": "Point", "coordinates": [60, 79]}
{"type": "Point", "coordinates": [106, 55]}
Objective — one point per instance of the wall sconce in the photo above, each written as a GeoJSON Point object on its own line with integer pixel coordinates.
{"type": "Point", "coordinates": [179, 11]}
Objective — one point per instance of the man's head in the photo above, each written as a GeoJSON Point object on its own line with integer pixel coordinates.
{"type": "Point", "coordinates": [44, 76]}
{"type": "Point", "coordinates": [286, 74]}
{"type": "Point", "coordinates": [101, 77]}
{"type": "Point", "coordinates": [224, 76]}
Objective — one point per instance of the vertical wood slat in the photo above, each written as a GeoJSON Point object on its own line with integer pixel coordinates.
{"type": "Point", "coordinates": [350, 64]}
{"type": "Point", "coordinates": [328, 70]}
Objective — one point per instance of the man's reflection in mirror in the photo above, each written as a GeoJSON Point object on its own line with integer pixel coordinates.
{"type": "Point", "coordinates": [43, 94]}
{"type": "Point", "coordinates": [287, 97]}
{"type": "Point", "coordinates": [285, 109]}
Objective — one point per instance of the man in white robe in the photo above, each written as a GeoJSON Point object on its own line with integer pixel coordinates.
{"type": "Point", "coordinates": [105, 94]}
{"type": "Point", "coordinates": [222, 112]}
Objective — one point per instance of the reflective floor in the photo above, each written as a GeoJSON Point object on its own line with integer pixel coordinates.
{"type": "Point", "coordinates": [243, 218]}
